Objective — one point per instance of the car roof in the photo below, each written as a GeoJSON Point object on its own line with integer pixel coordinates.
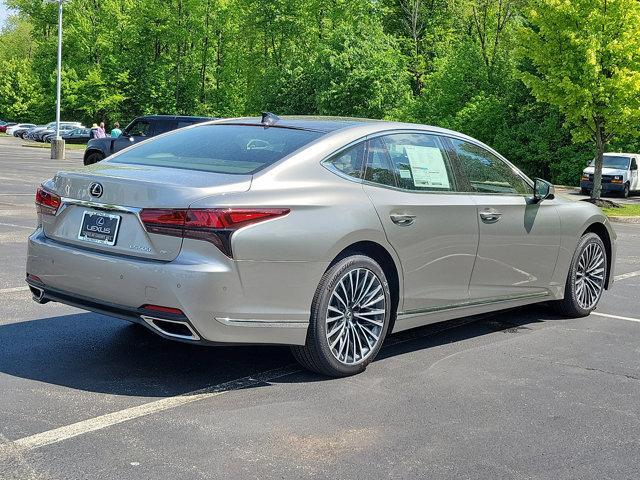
{"type": "Point", "coordinates": [332, 124]}
{"type": "Point", "coordinates": [614, 154]}
{"type": "Point", "coordinates": [174, 117]}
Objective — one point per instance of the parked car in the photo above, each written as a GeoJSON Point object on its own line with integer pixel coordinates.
{"type": "Point", "coordinates": [12, 128]}
{"type": "Point", "coordinates": [19, 132]}
{"type": "Point", "coordinates": [77, 135]}
{"type": "Point", "coordinates": [32, 132]}
{"type": "Point", "coordinates": [319, 233]}
{"type": "Point", "coordinates": [619, 174]}
{"type": "Point", "coordinates": [5, 125]}
{"type": "Point", "coordinates": [37, 133]}
{"type": "Point", "coordinates": [64, 128]}
{"type": "Point", "coordinates": [140, 129]}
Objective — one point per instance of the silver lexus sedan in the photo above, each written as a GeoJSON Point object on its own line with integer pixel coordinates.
{"type": "Point", "coordinates": [326, 234]}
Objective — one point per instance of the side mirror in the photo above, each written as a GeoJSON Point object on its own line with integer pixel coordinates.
{"type": "Point", "coordinates": [542, 190]}
{"type": "Point", "coordinates": [634, 166]}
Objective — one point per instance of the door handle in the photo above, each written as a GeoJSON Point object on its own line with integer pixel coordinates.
{"type": "Point", "coordinates": [402, 219]}
{"type": "Point", "coordinates": [490, 215]}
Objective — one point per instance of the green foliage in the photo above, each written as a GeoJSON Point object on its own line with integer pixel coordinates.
{"type": "Point", "coordinates": [587, 62]}
{"type": "Point", "coordinates": [20, 98]}
{"type": "Point", "coordinates": [360, 72]}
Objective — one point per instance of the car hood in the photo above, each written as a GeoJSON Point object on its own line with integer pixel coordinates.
{"type": "Point", "coordinates": [605, 171]}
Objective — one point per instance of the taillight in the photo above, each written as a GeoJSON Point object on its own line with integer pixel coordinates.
{"type": "Point", "coordinates": [214, 225]}
{"type": "Point", "coordinates": [47, 202]}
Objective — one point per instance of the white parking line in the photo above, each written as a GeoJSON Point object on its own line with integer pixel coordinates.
{"type": "Point", "coordinates": [98, 423]}
{"type": "Point", "coordinates": [622, 276]}
{"type": "Point", "coordinates": [13, 289]}
{"type": "Point", "coordinates": [617, 317]}
{"type": "Point", "coordinates": [15, 226]}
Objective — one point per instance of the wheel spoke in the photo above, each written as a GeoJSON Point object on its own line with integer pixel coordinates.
{"type": "Point", "coordinates": [589, 278]}
{"type": "Point", "coordinates": [355, 316]}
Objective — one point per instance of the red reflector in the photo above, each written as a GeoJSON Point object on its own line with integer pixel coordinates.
{"type": "Point", "coordinates": [34, 278]}
{"type": "Point", "coordinates": [160, 308]}
{"type": "Point", "coordinates": [47, 202]}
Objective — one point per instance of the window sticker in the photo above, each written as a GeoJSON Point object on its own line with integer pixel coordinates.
{"type": "Point", "coordinates": [427, 166]}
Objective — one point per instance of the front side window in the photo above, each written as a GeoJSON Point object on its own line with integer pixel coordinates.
{"type": "Point", "coordinates": [487, 173]}
{"type": "Point", "coordinates": [419, 161]}
{"type": "Point", "coordinates": [139, 129]}
{"type": "Point", "coordinates": [239, 149]}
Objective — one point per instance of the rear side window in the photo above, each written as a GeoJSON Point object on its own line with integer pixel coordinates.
{"type": "Point", "coordinates": [487, 173]}
{"type": "Point", "coordinates": [235, 149]}
{"type": "Point", "coordinates": [379, 168]}
{"type": "Point", "coordinates": [420, 162]}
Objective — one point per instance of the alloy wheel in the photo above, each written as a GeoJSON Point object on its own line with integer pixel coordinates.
{"type": "Point", "coordinates": [589, 281]}
{"type": "Point", "coordinates": [355, 316]}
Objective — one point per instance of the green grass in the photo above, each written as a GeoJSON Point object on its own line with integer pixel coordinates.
{"type": "Point", "coordinates": [68, 146]}
{"type": "Point", "coordinates": [623, 211]}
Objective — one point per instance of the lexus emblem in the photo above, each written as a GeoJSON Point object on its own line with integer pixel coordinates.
{"type": "Point", "coordinates": [95, 189]}
{"type": "Point", "coordinates": [100, 221]}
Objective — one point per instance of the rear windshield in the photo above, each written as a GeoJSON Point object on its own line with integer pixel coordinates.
{"type": "Point", "coordinates": [239, 149]}
{"type": "Point", "coordinates": [613, 162]}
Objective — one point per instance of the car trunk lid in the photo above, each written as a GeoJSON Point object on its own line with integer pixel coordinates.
{"type": "Point", "coordinates": [101, 205]}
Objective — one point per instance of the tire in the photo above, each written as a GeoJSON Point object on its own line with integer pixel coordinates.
{"type": "Point", "coordinates": [357, 318]}
{"type": "Point", "coordinates": [625, 192]}
{"type": "Point", "coordinates": [585, 191]}
{"type": "Point", "coordinates": [575, 304]}
{"type": "Point", "coordinates": [93, 157]}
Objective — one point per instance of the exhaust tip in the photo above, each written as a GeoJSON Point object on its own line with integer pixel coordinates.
{"type": "Point", "coordinates": [38, 294]}
{"type": "Point", "coordinates": [172, 328]}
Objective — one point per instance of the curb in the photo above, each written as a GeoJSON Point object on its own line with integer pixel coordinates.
{"type": "Point", "coordinates": [624, 219]}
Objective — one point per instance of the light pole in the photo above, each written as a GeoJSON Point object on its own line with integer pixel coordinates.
{"type": "Point", "coordinates": [57, 144]}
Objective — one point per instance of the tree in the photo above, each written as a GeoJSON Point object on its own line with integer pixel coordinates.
{"type": "Point", "coordinates": [20, 96]}
{"type": "Point", "coordinates": [585, 58]}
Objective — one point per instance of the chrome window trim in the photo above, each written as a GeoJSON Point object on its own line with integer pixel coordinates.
{"type": "Point", "coordinates": [326, 163]}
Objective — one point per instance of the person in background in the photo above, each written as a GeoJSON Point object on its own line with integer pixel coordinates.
{"type": "Point", "coordinates": [93, 133]}
{"type": "Point", "coordinates": [116, 132]}
{"type": "Point", "coordinates": [101, 131]}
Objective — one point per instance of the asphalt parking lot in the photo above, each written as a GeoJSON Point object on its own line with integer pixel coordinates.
{"type": "Point", "coordinates": [518, 394]}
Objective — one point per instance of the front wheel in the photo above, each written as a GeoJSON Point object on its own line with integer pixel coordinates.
{"type": "Point", "coordinates": [350, 316]}
{"type": "Point", "coordinates": [586, 278]}
{"type": "Point", "coordinates": [626, 191]}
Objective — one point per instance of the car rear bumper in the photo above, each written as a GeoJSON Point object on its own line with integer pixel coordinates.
{"type": "Point", "coordinates": [606, 187]}
{"type": "Point", "coordinates": [224, 301]}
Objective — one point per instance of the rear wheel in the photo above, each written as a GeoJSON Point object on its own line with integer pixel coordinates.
{"type": "Point", "coordinates": [350, 316]}
{"type": "Point", "coordinates": [93, 157]}
{"type": "Point", "coordinates": [586, 278]}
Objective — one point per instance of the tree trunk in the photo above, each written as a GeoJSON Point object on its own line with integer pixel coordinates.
{"type": "Point", "coordinates": [597, 172]}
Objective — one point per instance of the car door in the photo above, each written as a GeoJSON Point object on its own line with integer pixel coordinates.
{"type": "Point", "coordinates": [519, 238]}
{"type": "Point", "coordinates": [634, 182]}
{"type": "Point", "coordinates": [136, 131]}
{"type": "Point", "coordinates": [433, 229]}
